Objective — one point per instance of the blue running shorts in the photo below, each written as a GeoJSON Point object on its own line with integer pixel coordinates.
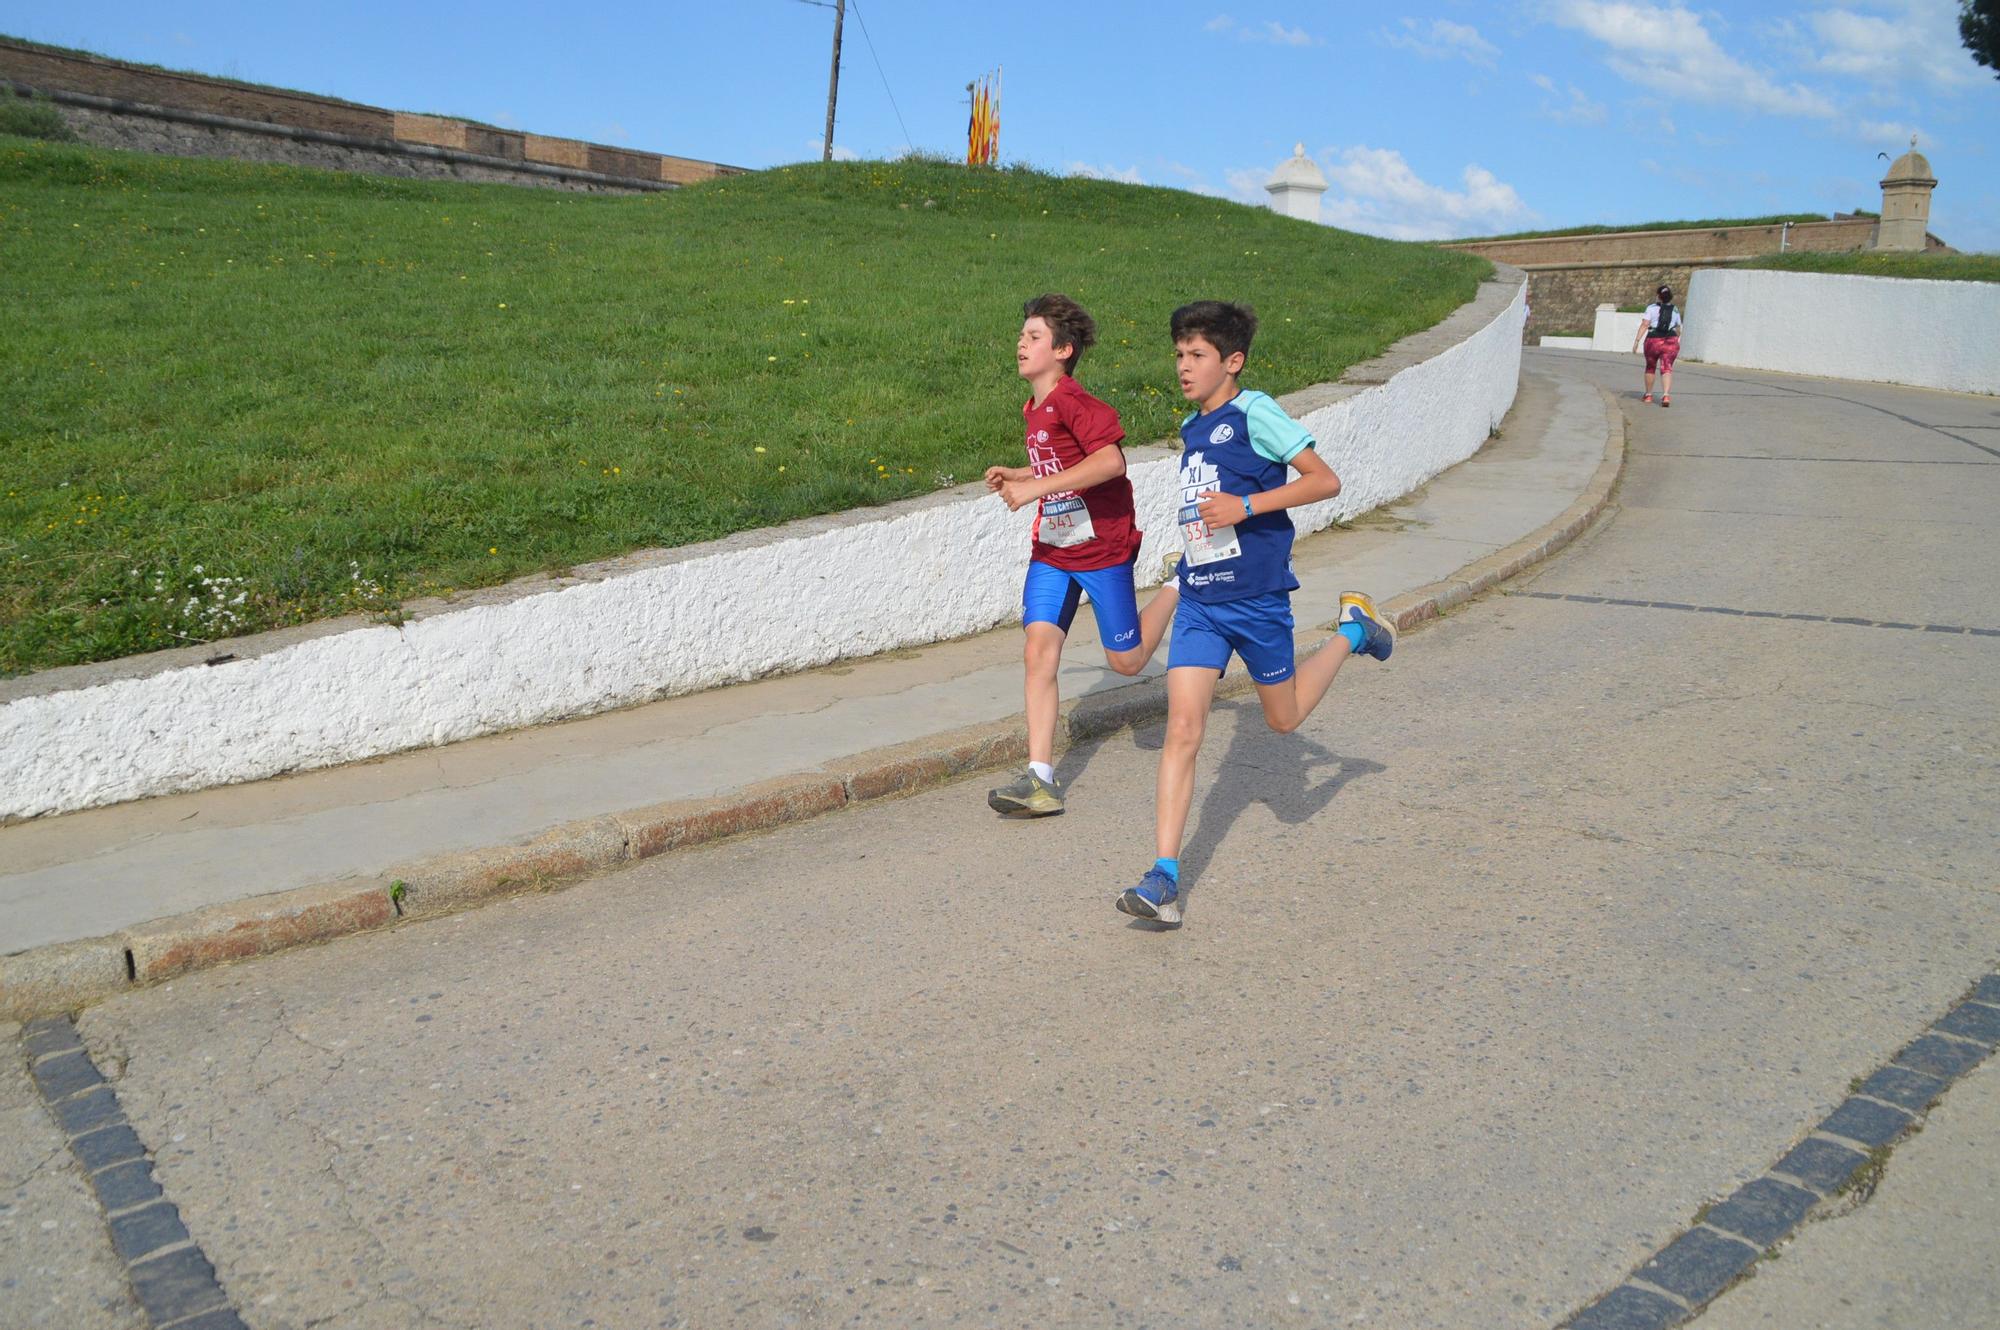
{"type": "Point", "coordinates": [1257, 628]}
{"type": "Point", "coordinates": [1051, 594]}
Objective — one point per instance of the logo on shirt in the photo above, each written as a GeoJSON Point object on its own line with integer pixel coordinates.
{"type": "Point", "coordinates": [1222, 433]}
{"type": "Point", "coordinates": [1041, 436]}
{"type": "Point", "coordinates": [1197, 474]}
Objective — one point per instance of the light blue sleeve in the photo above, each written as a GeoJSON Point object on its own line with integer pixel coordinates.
{"type": "Point", "coordinates": [1273, 433]}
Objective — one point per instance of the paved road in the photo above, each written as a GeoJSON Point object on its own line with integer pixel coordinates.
{"type": "Point", "coordinates": [1559, 925]}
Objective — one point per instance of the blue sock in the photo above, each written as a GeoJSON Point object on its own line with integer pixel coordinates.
{"type": "Point", "coordinates": [1171, 867]}
{"type": "Point", "coordinates": [1355, 634]}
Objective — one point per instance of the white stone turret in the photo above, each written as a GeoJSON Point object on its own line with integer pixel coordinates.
{"type": "Point", "coordinates": [1296, 185]}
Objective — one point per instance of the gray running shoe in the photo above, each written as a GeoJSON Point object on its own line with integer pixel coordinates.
{"type": "Point", "coordinates": [1029, 794]}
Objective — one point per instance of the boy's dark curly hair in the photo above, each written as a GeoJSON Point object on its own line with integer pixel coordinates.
{"type": "Point", "coordinates": [1228, 328]}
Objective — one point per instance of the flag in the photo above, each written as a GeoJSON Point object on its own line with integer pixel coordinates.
{"type": "Point", "coordinates": [982, 129]}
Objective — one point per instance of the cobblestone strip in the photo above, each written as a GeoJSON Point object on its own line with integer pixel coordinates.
{"type": "Point", "coordinates": [172, 1281]}
{"type": "Point", "coordinates": [1844, 1151]}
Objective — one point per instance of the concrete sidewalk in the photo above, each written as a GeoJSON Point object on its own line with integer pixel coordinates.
{"type": "Point", "coordinates": [94, 901]}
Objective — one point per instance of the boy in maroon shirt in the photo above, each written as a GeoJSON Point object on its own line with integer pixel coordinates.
{"type": "Point", "coordinates": [1085, 538]}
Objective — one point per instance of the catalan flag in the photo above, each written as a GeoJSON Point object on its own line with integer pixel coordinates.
{"type": "Point", "coordinates": [982, 131]}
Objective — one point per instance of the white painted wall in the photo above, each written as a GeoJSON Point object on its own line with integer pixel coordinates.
{"type": "Point", "coordinates": [1882, 329]}
{"type": "Point", "coordinates": [1569, 343]}
{"type": "Point", "coordinates": [799, 596]}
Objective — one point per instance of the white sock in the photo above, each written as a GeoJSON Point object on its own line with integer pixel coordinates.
{"type": "Point", "coordinates": [1045, 771]}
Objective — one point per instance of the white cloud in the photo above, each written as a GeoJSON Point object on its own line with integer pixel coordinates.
{"type": "Point", "coordinates": [1578, 110]}
{"type": "Point", "coordinates": [1130, 174]}
{"type": "Point", "coordinates": [1915, 46]}
{"type": "Point", "coordinates": [840, 154]}
{"type": "Point", "coordinates": [1376, 191]}
{"type": "Point", "coordinates": [1271, 31]}
{"type": "Point", "coordinates": [1246, 183]}
{"type": "Point", "coordinates": [1891, 136]}
{"type": "Point", "coordinates": [616, 132]}
{"type": "Point", "coordinates": [1670, 50]}
{"type": "Point", "coordinates": [506, 120]}
{"type": "Point", "coordinates": [1441, 39]}
{"type": "Point", "coordinates": [1542, 81]}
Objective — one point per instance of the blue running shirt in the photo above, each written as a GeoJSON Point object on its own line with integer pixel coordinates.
{"type": "Point", "coordinates": [1242, 447]}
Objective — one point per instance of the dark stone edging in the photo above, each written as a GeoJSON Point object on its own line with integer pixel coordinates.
{"type": "Point", "coordinates": [65, 976]}
{"type": "Point", "coordinates": [1726, 1240]}
{"type": "Point", "coordinates": [171, 1280]}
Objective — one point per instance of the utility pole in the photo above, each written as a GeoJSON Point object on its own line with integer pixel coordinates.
{"type": "Point", "coordinates": [833, 81]}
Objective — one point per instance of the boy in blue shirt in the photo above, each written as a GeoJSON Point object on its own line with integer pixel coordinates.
{"type": "Point", "coordinates": [1238, 448]}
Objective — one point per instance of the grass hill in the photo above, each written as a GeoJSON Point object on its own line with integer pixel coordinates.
{"type": "Point", "coordinates": [1935, 267]}
{"type": "Point", "coordinates": [251, 396]}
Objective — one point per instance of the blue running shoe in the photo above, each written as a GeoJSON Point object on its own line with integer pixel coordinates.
{"type": "Point", "coordinates": [1157, 897]}
{"type": "Point", "coordinates": [1379, 638]}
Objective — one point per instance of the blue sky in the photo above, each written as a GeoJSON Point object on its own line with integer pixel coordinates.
{"type": "Point", "coordinates": [1429, 119]}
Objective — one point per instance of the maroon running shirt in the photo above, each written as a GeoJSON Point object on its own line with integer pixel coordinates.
{"type": "Point", "coordinates": [1078, 532]}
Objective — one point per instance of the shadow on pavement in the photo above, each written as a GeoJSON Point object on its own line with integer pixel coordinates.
{"type": "Point", "coordinates": [1293, 776]}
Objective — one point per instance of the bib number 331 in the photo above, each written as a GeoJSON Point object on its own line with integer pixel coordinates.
{"type": "Point", "coordinates": [1200, 544]}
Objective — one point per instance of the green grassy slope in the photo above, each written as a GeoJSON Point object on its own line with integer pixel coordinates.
{"type": "Point", "coordinates": [1936, 267]}
{"type": "Point", "coordinates": [338, 391]}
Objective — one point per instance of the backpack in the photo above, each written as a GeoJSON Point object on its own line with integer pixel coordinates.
{"type": "Point", "coordinates": [1665, 326]}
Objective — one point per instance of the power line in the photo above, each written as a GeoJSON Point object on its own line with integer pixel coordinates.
{"type": "Point", "coordinates": [908, 142]}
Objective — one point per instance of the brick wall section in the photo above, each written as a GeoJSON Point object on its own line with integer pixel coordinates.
{"type": "Point", "coordinates": [51, 71]}
{"type": "Point", "coordinates": [1570, 276]}
{"type": "Point", "coordinates": [1722, 242]}
{"type": "Point", "coordinates": [46, 71]}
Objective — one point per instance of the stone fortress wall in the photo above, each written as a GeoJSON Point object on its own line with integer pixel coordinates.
{"type": "Point", "coordinates": [1570, 276]}
{"type": "Point", "coordinates": [118, 105]}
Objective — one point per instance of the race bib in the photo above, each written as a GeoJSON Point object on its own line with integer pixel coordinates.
{"type": "Point", "coordinates": [1064, 521]}
{"type": "Point", "coordinates": [1201, 544]}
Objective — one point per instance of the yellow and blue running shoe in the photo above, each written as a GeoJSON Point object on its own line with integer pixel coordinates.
{"type": "Point", "coordinates": [1378, 637]}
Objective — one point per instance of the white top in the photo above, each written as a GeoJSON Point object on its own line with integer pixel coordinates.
{"type": "Point", "coordinates": [1298, 172]}
{"type": "Point", "coordinates": [1653, 319]}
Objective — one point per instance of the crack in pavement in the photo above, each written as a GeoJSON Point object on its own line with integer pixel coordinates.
{"type": "Point", "coordinates": [15, 1183]}
{"type": "Point", "coordinates": [1869, 406]}
{"type": "Point", "coordinates": [1766, 858]}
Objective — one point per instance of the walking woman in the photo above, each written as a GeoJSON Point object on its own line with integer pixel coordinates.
{"type": "Point", "coordinates": [1661, 332]}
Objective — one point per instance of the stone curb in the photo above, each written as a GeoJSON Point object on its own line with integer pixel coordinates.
{"type": "Point", "coordinates": [64, 976]}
